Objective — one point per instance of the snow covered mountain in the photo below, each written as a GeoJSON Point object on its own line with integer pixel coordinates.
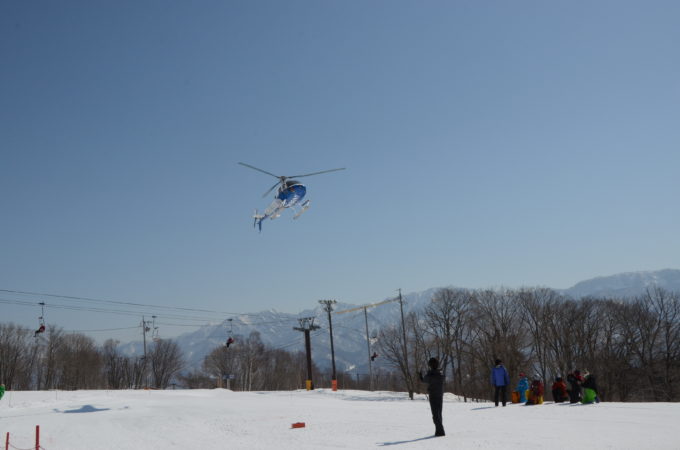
{"type": "Point", "coordinates": [277, 330]}
{"type": "Point", "coordinates": [627, 284]}
{"type": "Point", "coordinates": [349, 329]}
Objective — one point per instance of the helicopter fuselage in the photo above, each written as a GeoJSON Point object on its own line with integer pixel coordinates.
{"type": "Point", "coordinates": [292, 194]}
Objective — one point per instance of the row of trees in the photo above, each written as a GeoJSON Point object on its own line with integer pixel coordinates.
{"type": "Point", "coordinates": [252, 366]}
{"type": "Point", "coordinates": [632, 346]}
{"type": "Point", "coordinates": [74, 361]}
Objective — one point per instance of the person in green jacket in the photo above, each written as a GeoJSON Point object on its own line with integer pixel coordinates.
{"type": "Point", "coordinates": [2, 390]}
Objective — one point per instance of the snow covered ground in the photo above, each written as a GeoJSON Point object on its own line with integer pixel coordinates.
{"type": "Point", "coordinates": [222, 419]}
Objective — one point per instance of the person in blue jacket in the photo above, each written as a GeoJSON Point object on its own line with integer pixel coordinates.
{"type": "Point", "coordinates": [500, 381]}
{"type": "Point", "coordinates": [522, 387]}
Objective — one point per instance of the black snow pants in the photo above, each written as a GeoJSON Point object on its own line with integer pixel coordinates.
{"type": "Point", "coordinates": [575, 393]}
{"type": "Point", "coordinates": [436, 403]}
{"type": "Point", "coordinates": [503, 393]}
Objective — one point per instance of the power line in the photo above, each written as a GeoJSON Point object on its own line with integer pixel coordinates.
{"type": "Point", "coordinates": [104, 329]}
{"type": "Point", "coordinates": [116, 302]}
{"type": "Point", "coordinates": [106, 310]}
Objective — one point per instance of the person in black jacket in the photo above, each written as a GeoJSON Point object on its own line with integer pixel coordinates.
{"type": "Point", "coordinates": [575, 379]}
{"type": "Point", "coordinates": [435, 391]}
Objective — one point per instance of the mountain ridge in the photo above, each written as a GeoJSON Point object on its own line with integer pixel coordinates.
{"type": "Point", "coordinates": [349, 330]}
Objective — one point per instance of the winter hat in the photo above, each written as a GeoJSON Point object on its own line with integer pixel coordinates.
{"type": "Point", "coordinates": [498, 361]}
{"type": "Point", "coordinates": [433, 363]}
{"type": "Point", "coordinates": [521, 374]}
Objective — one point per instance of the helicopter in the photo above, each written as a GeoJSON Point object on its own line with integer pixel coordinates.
{"type": "Point", "coordinates": [290, 194]}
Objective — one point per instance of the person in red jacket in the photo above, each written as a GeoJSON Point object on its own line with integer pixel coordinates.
{"type": "Point", "coordinates": [536, 390]}
{"type": "Point", "coordinates": [559, 390]}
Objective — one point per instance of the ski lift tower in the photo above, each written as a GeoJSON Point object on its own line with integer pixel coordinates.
{"type": "Point", "coordinates": [329, 308]}
{"type": "Point", "coordinates": [307, 326]}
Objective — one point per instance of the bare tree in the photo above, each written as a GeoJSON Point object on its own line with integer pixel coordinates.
{"type": "Point", "coordinates": [15, 351]}
{"type": "Point", "coordinates": [391, 346]}
{"type": "Point", "coordinates": [166, 361]}
{"type": "Point", "coordinates": [79, 363]}
{"type": "Point", "coordinates": [449, 318]}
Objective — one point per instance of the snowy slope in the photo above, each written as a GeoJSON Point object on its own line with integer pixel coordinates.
{"type": "Point", "coordinates": [198, 419]}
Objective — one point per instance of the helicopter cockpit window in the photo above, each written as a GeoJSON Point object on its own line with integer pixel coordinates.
{"type": "Point", "coordinates": [290, 183]}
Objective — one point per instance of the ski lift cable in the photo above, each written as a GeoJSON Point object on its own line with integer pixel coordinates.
{"type": "Point", "coordinates": [297, 341]}
{"type": "Point", "coordinates": [280, 322]}
{"type": "Point", "coordinates": [103, 329]}
{"type": "Point", "coordinates": [89, 299]}
{"type": "Point", "coordinates": [107, 310]}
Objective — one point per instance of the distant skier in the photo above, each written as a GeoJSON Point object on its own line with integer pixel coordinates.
{"type": "Point", "coordinates": [435, 392]}
{"type": "Point", "coordinates": [40, 330]}
{"type": "Point", "coordinates": [500, 381]}
{"type": "Point", "coordinates": [230, 341]}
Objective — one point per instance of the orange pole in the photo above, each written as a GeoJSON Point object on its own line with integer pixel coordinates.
{"type": "Point", "coordinates": [37, 437]}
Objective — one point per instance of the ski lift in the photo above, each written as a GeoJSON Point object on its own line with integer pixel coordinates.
{"type": "Point", "coordinates": [230, 339]}
{"type": "Point", "coordinates": [41, 321]}
{"type": "Point", "coordinates": [154, 335]}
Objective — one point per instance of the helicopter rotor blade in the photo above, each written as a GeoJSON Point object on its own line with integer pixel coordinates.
{"type": "Point", "coordinates": [259, 170]}
{"type": "Point", "coordinates": [271, 189]}
{"type": "Point", "coordinates": [316, 173]}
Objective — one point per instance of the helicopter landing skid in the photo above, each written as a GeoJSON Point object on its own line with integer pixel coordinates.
{"type": "Point", "coordinates": [303, 208]}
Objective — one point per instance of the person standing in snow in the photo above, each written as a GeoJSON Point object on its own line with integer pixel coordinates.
{"type": "Point", "coordinates": [435, 392]}
{"type": "Point", "coordinates": [575, 379]}
{"type": "Point", "coordinates": [522, 387]}
{"type": "Point", "coordinates": [500, 381]}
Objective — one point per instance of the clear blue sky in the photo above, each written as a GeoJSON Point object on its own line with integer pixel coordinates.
{"type": "Point", "coordinates": [486, 143]}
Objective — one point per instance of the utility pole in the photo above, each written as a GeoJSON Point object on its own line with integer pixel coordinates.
{"type": "Point", "coordinates": [403, 329]}
{"type": "Point", "coordinates": [145, 328]}
{"type": "Point", "coordinates": [368, 347]}
{"type": "Point", "coordinates": [306, 326]}
{"type": "Point", "coordinates": [329, 308]}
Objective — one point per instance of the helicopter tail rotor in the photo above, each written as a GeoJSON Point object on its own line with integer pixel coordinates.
{"type": "Point", "coordinates": [258, 218]}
